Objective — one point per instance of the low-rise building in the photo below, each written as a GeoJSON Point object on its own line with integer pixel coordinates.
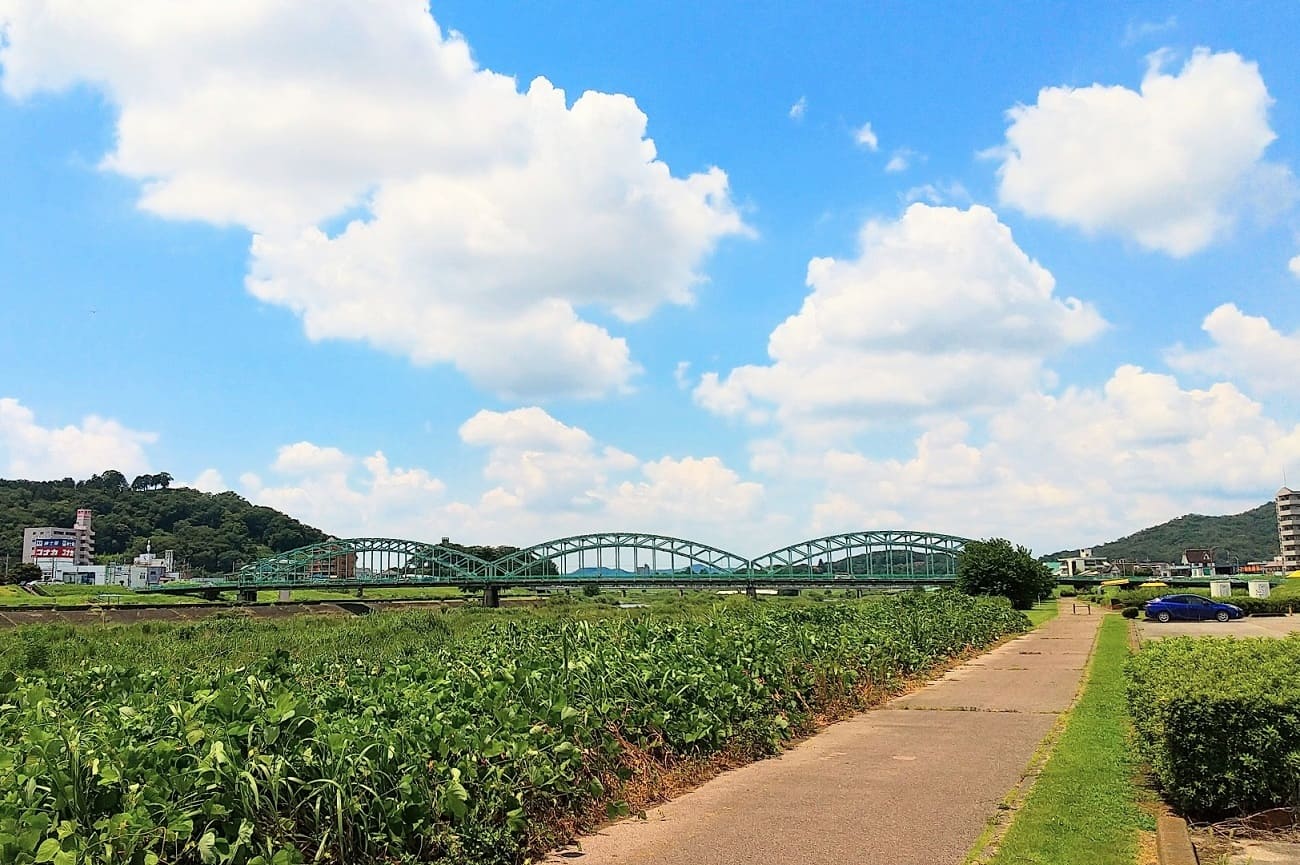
{"type": "Point", "coordinates": [1084, 563]}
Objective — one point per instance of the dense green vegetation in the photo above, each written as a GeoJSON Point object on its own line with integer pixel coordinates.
{"type": "Point", "coordinates": [997, 567]}
{"type": "Point", "coordinates": [419, 737]}
{"type": "Point", "coordinates": [1219, 721]}
{"type": "Point", "coordinates": [1083, 807]}
{"type": "Point", "coordinates": [212, 533]}
{"type": "Point", "coordinates": [1250, 536]}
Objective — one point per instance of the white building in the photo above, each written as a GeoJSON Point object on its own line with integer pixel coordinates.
{"type": "Point", "coordinates": [147, 570]}
{"type": "Point", "coordinates": [1084, 563]}
{"type": "Point", "coordinates": [1288, 528]}
{"type": "Point", "coordinates": [45, 545]}
{"type": "Point", "coordinates": [126, 576]}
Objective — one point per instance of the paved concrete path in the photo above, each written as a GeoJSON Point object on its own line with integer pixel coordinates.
{"type": "Point", "coordinates": [1253, 626]}
{"type": "Point", "coordinates": [911, 783]}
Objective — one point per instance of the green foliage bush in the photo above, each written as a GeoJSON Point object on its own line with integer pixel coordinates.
{"type": "Point", "coordinates": [996, 567]}
{"type": "Point", "coordinates": [1272, 606]}
{"type": "Point", "coordinates": [1131, 612]}
{"type": "Point", "coordinates": [1068, 592]}
{"type": "Point", "coordinates": [1219, 721]}
{"type": "Point", "coordinates": [480, 748]}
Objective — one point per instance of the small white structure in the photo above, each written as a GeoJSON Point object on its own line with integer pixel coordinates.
{"type": "Point", "coordinates": [1085, 562]}
{"type": "Point", "coordinates": [1220, 588]}
{"type": "Point", "coordinates": [1259, 588]}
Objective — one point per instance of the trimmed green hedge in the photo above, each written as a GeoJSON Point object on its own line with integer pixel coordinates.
{"type": "Point", "coordinates": [1219, 721]}
{"type": "Point", "coordinates": [1278, 605]}
{"type": "Point", "coordinates": [1138, 597]}
{"type": "Point", "coordinates": [1267, 606]}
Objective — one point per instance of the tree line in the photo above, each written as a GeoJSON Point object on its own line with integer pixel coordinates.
{"type": "Point", "coordinates": [211, 532]}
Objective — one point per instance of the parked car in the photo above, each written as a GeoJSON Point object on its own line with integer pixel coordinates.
{"type": "Point", "coordinates": [1190, 608]}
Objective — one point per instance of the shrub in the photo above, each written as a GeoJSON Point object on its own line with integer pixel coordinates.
{"type": "Point", "coordinates": [1068, 592]}
{"type": "Point", "coordinates": [1219, 721]}
{"type": "Point", "coordinates": [1266, 606]}
{"type": "Point", "coordinates": [996, 567]}
{"type": "Point", "coordinates": [1131, 612]}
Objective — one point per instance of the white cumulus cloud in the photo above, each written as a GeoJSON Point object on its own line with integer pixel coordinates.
{"type": "Point", "coordinates": [541, 478]}
{"type": "Point", "coordinates": [538, 461]}
{"type": "Point", "coordinates": [398, 193]}
{"type": "Point", "coordinates": [1171, 165]}
{"type": "Point", "coordinates": [346, 496]}
{"type": "Point", "coordinates": [30, 450]}
{"type": "Point", "coordinates": [208, 481]}
{"type": "Point", "coordinates": [1057, 471]}
{"type": "Point", "coordinates": [1246, 349]}
{"type": "Point", "coordinates": [866, 137]}
{"type": "Point", "coordinates": [900, 161]}
{"type": "Point", "coordinates": [940, 311]}
{"type": "Point", "coordinates": [1294, 266]}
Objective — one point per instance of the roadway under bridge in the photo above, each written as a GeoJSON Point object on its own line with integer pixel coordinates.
{"type": "Point", "coordinates": [611, 560]}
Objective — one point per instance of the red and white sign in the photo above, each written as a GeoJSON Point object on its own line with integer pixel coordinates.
{"type": "Point", "coordinates": [54, 548]}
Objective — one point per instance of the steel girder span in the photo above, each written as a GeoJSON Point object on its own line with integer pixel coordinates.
{"type": "Point", "coordinates": [625, 558]}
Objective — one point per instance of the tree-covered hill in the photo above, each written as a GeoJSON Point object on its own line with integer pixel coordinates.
{"type": "Point", "coordinates": [1250, 536]}
{"type": "Point", "coordinates": [211, 533]}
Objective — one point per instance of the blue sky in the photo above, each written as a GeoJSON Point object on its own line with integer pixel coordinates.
{"type": "Point", "coordinates": [1024, 270]}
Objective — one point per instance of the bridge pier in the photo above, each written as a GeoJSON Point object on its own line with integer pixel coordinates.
{"type": "Point", "coordinates": [491, 596]}
{"type": "Point", "coordinates": [211, 595]}
{"type": "Point", "coordinates": [361, 593]}
{"type": "Point", "coordinates": [751, 592]}
{"type": "Point", "coordinates": [247, 596]}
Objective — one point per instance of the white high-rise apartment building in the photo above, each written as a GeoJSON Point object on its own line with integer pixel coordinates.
{"type": "Point", "coordinates": [45, 544]}
{"type": "Point", "coordinates": [1288, 528]}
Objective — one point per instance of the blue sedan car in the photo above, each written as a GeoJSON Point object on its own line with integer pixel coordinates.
{"type": "Point", "coordinates": [1193, 608]}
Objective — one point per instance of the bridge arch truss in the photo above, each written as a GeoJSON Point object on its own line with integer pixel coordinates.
{"type": "Point", "coordinates": [619, 555]}
{"type": "Point", "coordinates": [607, 558]}
{"type": "Point", "coordinates": [368, 559]}
{"type": "Point", "coordinates": [873, 554]}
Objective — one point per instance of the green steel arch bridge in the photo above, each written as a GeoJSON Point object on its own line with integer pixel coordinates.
{"type": "Point", "coordinates": [612, 560]}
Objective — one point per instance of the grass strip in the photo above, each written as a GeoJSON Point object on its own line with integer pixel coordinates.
{"type": "Point", "coordinates": [1043, 611]}
{"type": "Point", "coordinates": [1084, 807]}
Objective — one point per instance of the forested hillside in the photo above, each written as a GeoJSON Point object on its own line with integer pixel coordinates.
{"type": "Point", "coordinates": [1248, 536]}
{"type": "Point", "coordinates": [210, 532]}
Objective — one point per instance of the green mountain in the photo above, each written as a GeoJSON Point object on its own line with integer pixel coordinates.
{"type": "Point", "coordinates": [1250, 536]}
{"type": "Point", "coordinates": [211, 533]}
